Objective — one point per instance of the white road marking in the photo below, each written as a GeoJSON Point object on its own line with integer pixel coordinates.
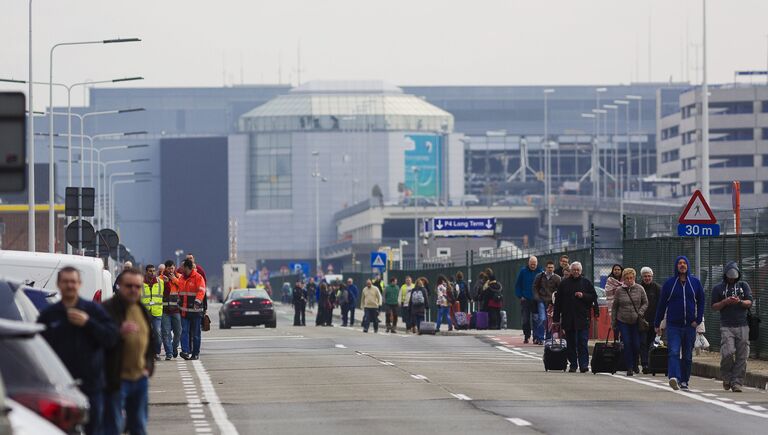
{"type": "Point", "coordinates": [506, 349]}
{"type": "Point", "coordinates": [519, 421]}
{"type": "Point", "coordinates": [261, 338]}
{"type": "Point", "coordinates": [461, 396]}
{"type": "Point", "coordinates": [341, 346]}
{"type": "Point", "coordinates": [724, 399]}
{"type": "Point", "coordinates": [214, 404]}
{"type": "Point", "coordinates": [386, 363]}
{"type": "Point", "coordinates": [709, 394]}
{"type": "Point", "coordinates": [728, 406]}
{"type": "Point", "coordinates": [420, 377]}
{"type": "Point", "coordinates": [757, 408]}
{"type": "Point", "coordinates": [742, 403]}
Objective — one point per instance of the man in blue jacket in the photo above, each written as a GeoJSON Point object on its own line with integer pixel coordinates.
{"type": "Point", "coordinates": [528, 305]}
{"type": "Point", "coordinates": [79, 331]}
{"type": "Point", "coordinates": [682, 301]}
{"type": "Point", "coordinates": [354, 297]}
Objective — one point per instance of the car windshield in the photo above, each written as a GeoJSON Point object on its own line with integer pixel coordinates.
{"type": "Point", "coordinates": [28, 362]}
{"type": "Point", "coordinates": [249, 293]}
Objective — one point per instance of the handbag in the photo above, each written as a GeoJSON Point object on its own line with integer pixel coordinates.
{"type": "Point", "coordinates": [206, 326]}
{"type": "Point", "coordinates": [754, 326]}
{"type": "Point", "coordinates": [642, 324]}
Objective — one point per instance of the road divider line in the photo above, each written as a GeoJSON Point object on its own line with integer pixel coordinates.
{"type": "Point", "coordinates": [514, 352]}
{"type": "Point", "coordinates": [341, 346]}
{"type": "Point", "coordinates": [757, 408]}
{"type": "Point", "coordinates": [461, 396]}
{"type": "Point", "coordinates": [214, 404]}
{"type": "Point", "coordinates": [420, 377]}
{"type": "Point", "coordinates": [519, 422]}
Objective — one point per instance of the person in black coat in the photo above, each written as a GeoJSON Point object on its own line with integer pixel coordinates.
{"type": "Point", "coordinates": [79, 331]}
{"type": "Point", "coordinates": [299, 304]}
{"type": "Point", "coordinates": [573, 305]}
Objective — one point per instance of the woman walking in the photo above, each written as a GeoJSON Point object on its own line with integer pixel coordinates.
{"type": "Point", "coordinates": [443, 303]}
{"type": "Point", "coordinates": [418, 305]}
{"type": "Point", "coordinates": [629, 305]}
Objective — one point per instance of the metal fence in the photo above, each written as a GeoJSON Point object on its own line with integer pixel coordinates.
{"type": "Point", "coordinates": [749, 250]}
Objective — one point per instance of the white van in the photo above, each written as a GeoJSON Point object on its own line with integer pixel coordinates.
{"type": "Point", "coordinates": [39, 269]}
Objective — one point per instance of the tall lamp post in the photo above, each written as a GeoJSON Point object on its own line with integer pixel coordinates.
{"type": "Point", "coordinates": [51, 181]}
{"type": "Point", "coordinates": [31, 233]}
{"type": "Point", "coordinates": [415, 170]}
{"type": "Point", "coordinates": [639, 99]}
{"type": "Point", "coordinates": [628, 152]}
{"type": "Point", "coordinates": [318, 178]}
{"type": "Point", "coordinates": [548, 167]}
{"type": "Point", "coordinates": [614, 144]}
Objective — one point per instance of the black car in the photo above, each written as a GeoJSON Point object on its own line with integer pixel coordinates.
{"type": "Point", "coordinates": [35, 377]}
{"type": "Point", "coordinates": [244, 307]}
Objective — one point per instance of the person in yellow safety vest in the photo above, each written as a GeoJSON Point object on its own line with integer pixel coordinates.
{"type": "Point", "coordinates": [152, 299]}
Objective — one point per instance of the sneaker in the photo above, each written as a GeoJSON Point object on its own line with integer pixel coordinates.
{"type": "Point", "coordinates": [736, 388]}
{"type": "Point", "coordinates": [584, 370]}
{"type": "Point", "coordinates": [195, 356]}
{"type": "Point", "coordinates": [365, 330]}
{"type": "Point", "coordinates": [175, 354]}
{"type": "Point", "coordinates": [375, 331]}
{"type": "Point", "coordinates": [186, 356]}
{"type": "Point", "coordinates": [630, 373]}
{"type": "Point", "coordinates": [525, 341]}
{"type": "Point", "coordinates": [726, 386]}
{"type": "Point", "coordinates": [645, 370]}
{"type": "Point", "coordinates": [393, 331]}
{"type": "Point", "coordinates": [684, 385]}
{"type": "Point", "coordinates": [157, 357]}
{"type": "Point", "coordinates": [168, 357]}
{"type": "Point", "coordinates": [636, 370]}
{"type": "Point", "coordinates": [572, 370]}
{"type": "Point", "coordinates": [673, 384]}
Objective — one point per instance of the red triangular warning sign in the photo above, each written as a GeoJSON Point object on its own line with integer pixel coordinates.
{"type": "Point", "coordinates": [697, 211]}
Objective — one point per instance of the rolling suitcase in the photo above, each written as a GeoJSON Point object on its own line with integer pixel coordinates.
{"type": "Point", "coordinates": [429, 328]}
{"type": "Point", "coordinates": [606, 357]}
{"type": "Point", "coordinates": [555, 355]}
{"type": "Point", "coordinates": [462, 320]}
{"type": "Point", "coordinates": [473, 320]}
{"type": "Point", "coordinates": [482, 320]}
{"type": "Point", "coordinates": [503, 319]}
{"type": "Point", "coordinates": [658, 359]}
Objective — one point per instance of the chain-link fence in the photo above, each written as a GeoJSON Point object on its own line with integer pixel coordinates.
{"type": "Point", "coordinates": [658, 250]}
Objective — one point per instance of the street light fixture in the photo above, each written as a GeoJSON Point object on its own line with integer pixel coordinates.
{"type": "Point", "coordinates": [548, 166]}
{"type": "Point", "coordinates": [112, 201]}
{"type": "Point", "coordinates": [119, 182]}
{"type": "Point", "coordinates": [415, 170]}
{"type": "Point", "coordinates": [51, 181]}
{"type": "Point", "coordinates": [639, 99]}
{"type": "Point", "coordinates": [628, 151]}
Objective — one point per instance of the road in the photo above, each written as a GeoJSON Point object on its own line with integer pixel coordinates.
{"type": "Point", "coordinates": [294, 380]}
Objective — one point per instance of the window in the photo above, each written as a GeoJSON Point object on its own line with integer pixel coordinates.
{"type": "Point", "coordinates": [670, 132]}
{"type": "Point", "coordinates": [765, 161]}
{"type": "Point", "coordinates": [731, 134]}
{"type": "Point", "coordinates": [270, 172]}
{"type": "Point", "coordinates": [731, 108]}
{"type": "Point", "coordinates": [765, 106]}
{"type": "Point", "coordinates": [689, 163]}
{"type": "Point", "coordinates": [689, 111]}
{"type": "Point", "coordinates": [689, 137]}
{"type": "Point", "coordinates": [670, 156]}
{"type": "Point", "coordinates": [765, 134]}
{"type": "Point", "coordinates": [739, 161]}
{"type": "Point", "coordinates": [726, 187]}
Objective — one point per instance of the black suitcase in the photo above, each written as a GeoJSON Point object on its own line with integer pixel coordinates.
{"type": "Point", "coordinates": [429, 328]}
{"type": "Point", "coordinates": [607, 357]}
{"type": "Point", "coordinates": [555, 355]}
{"type": "Point", "coordinates": [658, 360]}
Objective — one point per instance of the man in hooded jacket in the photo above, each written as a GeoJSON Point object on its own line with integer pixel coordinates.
{"type": "Point", "coordinates": [733, 299]}
{"type": "Point", "coordinates": [682, 299]}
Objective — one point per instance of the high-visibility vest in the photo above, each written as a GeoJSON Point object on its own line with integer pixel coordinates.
{"type": "Point", "coordinates": [152, 298]}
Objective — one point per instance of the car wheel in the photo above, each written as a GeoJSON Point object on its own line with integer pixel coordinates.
{"type": "Point", "coordinates": [223, 324]}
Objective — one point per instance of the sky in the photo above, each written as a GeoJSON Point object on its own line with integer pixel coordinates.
{"type": "Point", "coordinates": [405, 42]}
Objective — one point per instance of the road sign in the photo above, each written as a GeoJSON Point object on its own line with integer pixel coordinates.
{"type": "Point", "coordinates": [79, 201]}
{"type": "Point", "coordinates": [697, 211]}
{"type": "Point", "coordinates": [299, 268]}
{"type": "Point", "coordinates": [13, 143]}
{"type": "Point", "coordinates": [379, 260]}
{"type": "Point", "coordinates": [698, 230]}
{"type": "Point", "coordinates": [73, 234]}
{"type": "Point", "coordinates": [451, 227]}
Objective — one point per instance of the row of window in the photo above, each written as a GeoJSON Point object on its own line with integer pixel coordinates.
{"type": "Point", "coordinates": [722, 135]}
{"type": "Point", "coordinates": [270, 175]}
{"type": "Point", "coordinates": [670, 156]}
{"type": "Point", "coordinates": [726, 187]}
{"type": "Point", "coordinates": [670, 132]}
{"type": "Point", "coordinates": [733, 161]}
{"type": "Point", "coordinates": [725, 108]}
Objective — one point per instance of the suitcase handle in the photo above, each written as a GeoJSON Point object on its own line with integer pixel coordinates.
{"type": "Point", "coordinates": [615, 337]}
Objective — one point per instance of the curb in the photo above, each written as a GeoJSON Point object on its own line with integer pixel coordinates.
{"type": "Point", "coordinates": [713, 371]}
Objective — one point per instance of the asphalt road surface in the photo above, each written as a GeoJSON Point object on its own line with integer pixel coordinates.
{"type": "Point", "coordinates": [320, 380]}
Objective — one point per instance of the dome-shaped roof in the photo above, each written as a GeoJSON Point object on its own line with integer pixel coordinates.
{"type": "Point", "coordinates": [349, 106]}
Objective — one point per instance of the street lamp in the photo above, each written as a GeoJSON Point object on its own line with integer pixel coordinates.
{"type": "Point", "coordinates": [415, 170]}
{"type": "Point", "coordinates": [51, 183]}
{"type": "Point", "coordinates": [628, 151]}
{"type": "Point", "coordinates": [548, 167]}
{"type": "Point", "coordinates": [112, 201]}
{"type": "Point", "coordinates": [116, 183]}
{"type": "Point", "coordinates": [318, 178]}
{"type": "Point", "coordinates": [402, 243]}
{"type": "Point", "coordinates": [639, 99]}
{"type": "Point", "coordinates": [615, 110]}
{"type": "Point", "coordinates": [593, 171]}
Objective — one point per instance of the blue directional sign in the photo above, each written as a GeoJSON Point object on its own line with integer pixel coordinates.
{"type": "Point", "coordinates": [698, 230]}
{"type": "Point", "coordinates": [476, 226]}
{"type": "Point", "coordinates": [379, 260]}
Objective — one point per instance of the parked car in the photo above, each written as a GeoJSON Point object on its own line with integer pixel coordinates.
{"type": "Point", "coordinates": [39, 269]}
{"type": "Point", "coordinates": [41, 298]}
{"type": "Point", "coordinates": [5, 407]}
{"type": "Point", "coordinates": [35, 377]}
{"type": "Point", "coordinates": [25, 422]}
{"type": "Point", "coordinates": [248, 306]}
{"type": "Point", "coordinates": [14, 304]}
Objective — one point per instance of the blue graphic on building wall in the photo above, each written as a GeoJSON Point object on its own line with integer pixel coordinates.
{"type": "Point", "coordinates": [422, 163]}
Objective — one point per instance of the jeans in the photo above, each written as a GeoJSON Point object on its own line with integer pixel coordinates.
{"type": "Point", "coordinates": [416, 320]}
{"type": "Point", "coordinates": [646, 338]}
{"type": "Point", "coordinates": [443, 313]}
{"type": "Point", "coordinates": [578, 348]}
{"type": "Point", "coordinates": [539, 320]}
{"type": "Point", "coordinates": [95, 424]}
{"type": "Point", "coordinates": [525, 313]}
{"type": "Point", "coordinates": [392, 316]}
{"type": "Point", "coordinates": [171, 333]}
{"type": "Point", "coordinates": [630, 336]}
{"type": "Point", "coordinates": [352, 309]}
{"type": "Point", "coordinates": [345, 314]}
{"type": "Point", "coordinates": [680, 340]}
{"type": "Point", "coordinates": [405, 314]}
{"type": "Point", "coordinates": [131, 398]}
{"type": "Point", "coordinates": [299, 314]}
{"type": "Point", "coordinates": [734, 351]}
{"type": "Point", "coordinates": [157, 328]}
{"type": "Point", "coordinates": [190, 325]}
{"type": "Point", "coordinates": [371, 315]}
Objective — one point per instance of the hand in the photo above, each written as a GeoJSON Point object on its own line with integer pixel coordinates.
{"type": "Point", "coordinates": [128, 327]}
{"type": "Point", "coordinates": [658, 331]}
{"type": "Point", "coordinates": [733, 300]}
{"type": "Point", "coordinates": [522, 299]}
{"type": "Point", "coordinates": [197, 305]}
{"type": "Point", "coordinates": [77, 317]}
{"type": "Point", "coordinates": [579, 295]}
{"type": "Point", "coordinates": [694, 324]}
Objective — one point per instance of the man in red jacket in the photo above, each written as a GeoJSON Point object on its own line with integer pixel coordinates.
{"type": "Point", "coordinates": [192, 295]}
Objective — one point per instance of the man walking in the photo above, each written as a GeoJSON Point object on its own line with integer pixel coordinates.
{"type": "Point", "coordinates": [573, 304]}
{"type": "Point", "coordinates": [354, 296]}
{"type": "Point", "coordinates": [171, 315]}
{"type": "Point", "coordinates": [192, 293]}
{"type": "Point", "coordinates": [371, 302]}
{"type": "Point", "coordinates": [563, 265]}
{"type": "Point", "coordinates": [524, 291]}
{"type": "Point", "coordinates": [312, 294]}
{"type": "Point", "coordinates": [682, 299]}
{"type": "Point", "coordinates": [544, 286]}
{"type": "Point", "coordinates": [391, 296]}
{"type": "Point", "coordinates": [733, 299]}
{"type": "Point", "coordinates": [152, 299]}
{"type": "Point", "coordinates": [79, 331]}
{"type": "Point", "coordinates": [130, 363]}
{"type": "Point", "coordinates": [299, 304]}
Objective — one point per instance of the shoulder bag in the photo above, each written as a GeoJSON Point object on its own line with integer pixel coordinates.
{"type": "Point", "coordinates": [642, 324]}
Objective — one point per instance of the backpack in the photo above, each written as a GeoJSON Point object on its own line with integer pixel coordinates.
{"type": "Point", "coordinates": [417, 297]}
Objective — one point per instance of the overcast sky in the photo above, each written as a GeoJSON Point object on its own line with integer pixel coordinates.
{"type": "Point", "coordinates": [406, 42]}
